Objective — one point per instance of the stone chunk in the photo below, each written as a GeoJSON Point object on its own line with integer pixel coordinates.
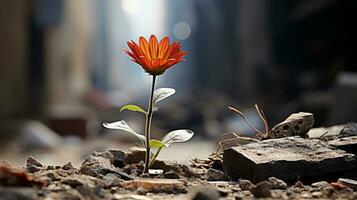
{"type": "Point", "coordinates": [67, 166]}
{"type": "Point", "coordinates": [348, 182]}
{"type": "Point", "coordinates": [98, 166]}
{"type": "Point", "coordinates": [215, 175]}
{"type": "Point", "coordinates": [171, 175]}
{"type": "Point", "coordinates": [206, 194]}
{"type": "Point", "coordinates": [95, 166]}
{"type": "Point", "coordinates": [320, 184]}
{"type": "Point", "coordinates": [262, 190]}
{"type": "Point", "coordinates": [166, 166]}
{"type": "Point", "coordinates": [350, 129]}
{"type": "Point", "coordinates": [296, 124]}
{"type": "Point", "coordinates": [348, 144]}
{"type": "Point", "coordinates": [286, 159]}
{"type": "Point", "coordinates": [118, 159]}
{"type": "Point", "coordinates": [32, 165]}
{"type": "Point", "coordinates": [322, 132]}
{"type": "Point", "coordinates": [33, 161]}
{"type": "Point", "coordinates": [245, 184]}
{"type": "Point", "coordinates": [277, 183]}
{"type": "Point", "coordinates": [135, 155]}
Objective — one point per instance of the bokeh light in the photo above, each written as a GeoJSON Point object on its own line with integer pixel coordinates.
{"type": "Point", "coordinates": [182, 30]}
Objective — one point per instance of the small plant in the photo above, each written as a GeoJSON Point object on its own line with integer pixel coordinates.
{"type": "Point", "coordinates": [155, 58]}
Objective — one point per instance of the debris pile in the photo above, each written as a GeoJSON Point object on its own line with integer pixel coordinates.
{"type": "Point", "coordinates": [283, 168]}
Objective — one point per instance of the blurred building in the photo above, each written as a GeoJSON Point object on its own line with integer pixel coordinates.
{"type": "Point", "coordinates": [63, 59]}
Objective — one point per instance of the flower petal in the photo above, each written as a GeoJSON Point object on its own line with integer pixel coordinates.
{"type": "Point", "coordinates": [144, 45]}
{"type": "Point", "coordinates": [163, 45]}
{"type": "Point", "coordinates": [153, 44]}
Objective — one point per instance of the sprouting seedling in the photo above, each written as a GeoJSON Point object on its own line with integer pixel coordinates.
{"type": "Point", "coordinates": [259, 134]}
{"type": "Point", "coordinates": [176, 136]}
{"type": "Point", "coordinates": [155, 58]}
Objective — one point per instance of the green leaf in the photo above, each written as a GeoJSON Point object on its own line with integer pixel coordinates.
{"type": "Point", "coordinates": [122, 125]}
{"type": "Point", "coordinates": [181, 135]}
{"type": "Point", "coordinates": [162, 93]}
{"type": "Point", "coordinates": [156, 144]}
{"type": "Point", "coordinates": [132, 108]}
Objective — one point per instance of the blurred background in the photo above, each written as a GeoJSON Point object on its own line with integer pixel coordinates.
{"type": "Point", "coordinates": [63, 71]}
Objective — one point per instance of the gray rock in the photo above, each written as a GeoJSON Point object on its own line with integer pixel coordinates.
{"type": "Point", "coordinates": [286, 159]}
{"type": "Point", "coordinates": [32, 165]}
{"type": "Point", "coordinates": [320, 184]}
{"type": "Point", "coordinates": [135, 155]}
{"type": "Point", "coordinates": [95, 166]}
{"type": "Point", "coordinates": [32, 168]}
{"type": "Point", "coordinates": [33, 161]}
{"type": "Point", "coordinates": [145, 175]}
{"type": "Point", "coordinates": [112, 180]}
{"type": "Point", "coordinates": [188, 173]}
{"type": "Point", "coordinates": [348, 182]}
{"type": "Point", "coordinates": [215, 175]}
{"type": "Point", "coordinates": [296, 124]}
{"type": "Point", "coordinates": [245, 184]}
{"type": "Point", "coordinates": [50, 167]}
{"type": "Point", "coordinates": [141, 191]}
{"type": "Point", "coordinates": [277, 183]}
{"type": "Point", "coordinates": [262, 190]}
{"type": "Point", "coordinates": [322, 132]}
{"type": "Point", "coordinates": [350, 129]}
{"type": "Point", "coordinates": [98, 166]}
{"type": "Point", "coordinates": [348, 144]}
{"type": "Point", "coordinates": [206, 194]}
{"type": "Point", "coordinates": [67, 166]}
{"type": "Point", "coordinates": [171, 175]}
{"type": "Point", "coordinates": [166, 166]}
{"type": "Point", "coordinates": [118, 158]}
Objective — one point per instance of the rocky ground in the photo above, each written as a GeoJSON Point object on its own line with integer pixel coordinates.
{"type": "Point", "coordinates": [256, 170]}
{"type": "Point", "coordinates": [118, 175]}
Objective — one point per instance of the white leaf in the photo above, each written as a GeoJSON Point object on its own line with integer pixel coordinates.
{"type": "Point", "coordinates": [122, 125]}
{"type": "Point", "coordinates": [181, 135]}
{"type": "Point", "coordinates": [162, 93]}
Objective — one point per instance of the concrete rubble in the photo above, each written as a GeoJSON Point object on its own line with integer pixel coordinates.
{"type": "Point", "coordinates": [286, 158]}
{"type": "Point", "coordinates": [284, 168]}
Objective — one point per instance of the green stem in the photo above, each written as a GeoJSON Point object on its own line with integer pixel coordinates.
{"type": "Point", "coordinates": [155, 156]}
{"type": "Point", "coordinates": [148, 126]}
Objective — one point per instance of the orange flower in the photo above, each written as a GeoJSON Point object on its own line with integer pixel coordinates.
{"type": "Point", "coordinates": [155, 57]}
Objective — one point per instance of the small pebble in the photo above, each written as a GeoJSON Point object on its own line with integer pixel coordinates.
{"type": "Point", "coordinates": [262, 190]}
{"type": "Point", "coordinates": [171, 175]}
{"type": "Point", "coordinates": [141, 191]}
{"type": "Point", "coordinates": [215, 175]}
{"type": "Point", "coordinates": [33, 161]}
{"type": "Point", "coordinates": [67, 166]}
{"type": "Point", "coordinates": [320, 184]}
{"type": "Point", "coordinates": [348, 182]}
{"type": "Point", "coordinates": [206, 194]}
{"type": "Point", "coordinates": [245, 184]}
{"type": "Point", "coordinates": [145, 175]}
{"type": "Point", "coordinates": [277, 183]}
